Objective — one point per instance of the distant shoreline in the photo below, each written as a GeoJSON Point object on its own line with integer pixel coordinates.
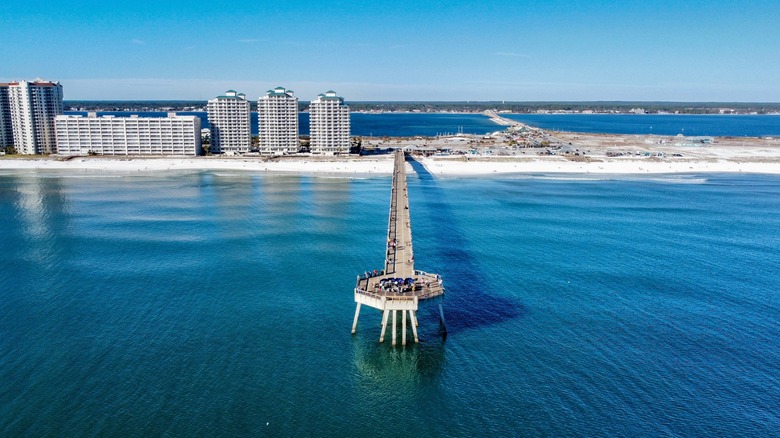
{"type": "Point", "coordinates": [460, 107]}
{"type": "Point", "coordinates": [556, 112]}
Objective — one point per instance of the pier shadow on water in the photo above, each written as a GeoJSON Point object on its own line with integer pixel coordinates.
{"type": "Point", "coordinates": [470, 301]}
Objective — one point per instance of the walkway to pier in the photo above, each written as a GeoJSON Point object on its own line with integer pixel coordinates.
{"type": "Point", "coordinates": [398, 286]}
{"type": "Point", "coordinates": [503, 121]}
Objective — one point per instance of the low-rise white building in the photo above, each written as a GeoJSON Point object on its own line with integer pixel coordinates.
{"type": "Point", "coordinates": [134, 135]}
{"type": "Point", "coordinates": [230, 125]}
{"type": "Point", "coordinates": [329, 124]}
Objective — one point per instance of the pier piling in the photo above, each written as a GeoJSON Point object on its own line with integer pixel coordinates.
{"type": "Point", "coordinates": [413, 320]}
{"type": "Point", "coordinates": [403, 327]}
{"type": "Point", "coordinates": [357, 313]}
{"type": "Point", "coordinates": [394, 318]}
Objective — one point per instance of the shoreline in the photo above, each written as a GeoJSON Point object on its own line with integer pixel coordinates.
{"type": "Point", "coordinates": [478, 166]}
{"type": "Point", "coordinates": [382, 165]}
{"type": "Point", "coordinates": [519, 149]}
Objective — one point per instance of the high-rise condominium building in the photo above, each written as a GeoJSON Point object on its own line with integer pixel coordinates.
{"type": "Point", "coordinates": [33, 108]}
{"type": "Point", "coordinates": [230, 126]}
{"type": "Point", "coordinates": [277, 120]}
{"type": "Point", "coordinates": [6, 129]}
{"type": "Point", "coordinates": [329, 124]}
{"type": "Point", "coordinates": [109, 135]}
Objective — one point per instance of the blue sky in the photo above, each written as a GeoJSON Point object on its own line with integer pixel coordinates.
{"type": "Point", "coordinates": [400, 50]}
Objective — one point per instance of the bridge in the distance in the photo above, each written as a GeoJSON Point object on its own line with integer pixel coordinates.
{"type": "Point", "coordinates": [398, 287]}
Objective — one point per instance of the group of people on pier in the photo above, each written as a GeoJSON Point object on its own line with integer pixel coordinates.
{"type": "Point", "coordinates": [398, 285]}
{"type": "Point", "coordinates": [374, 273]}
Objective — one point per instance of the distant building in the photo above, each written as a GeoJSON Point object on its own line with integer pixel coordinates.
{"type": "Point", "coordinates": [329, 124]}
{"type": "Point", "coordinates": [6, 128]}
{"type": "Point", "coordinates": [34, 105]}
{"type": "Point", "coordinates": [230, 125]}
{"type": "Point", "coordinates": [277, 120]}
{"type": "Point", "coordinates": [109, 135]}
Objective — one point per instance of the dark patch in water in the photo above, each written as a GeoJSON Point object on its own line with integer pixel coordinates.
{"type": "Point", "coordinates": [468, 304]}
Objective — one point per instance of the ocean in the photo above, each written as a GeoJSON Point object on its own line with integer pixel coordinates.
{"type": "Point", "coordinates": [657, 124]}
{"type": "Point", "coordinates": [220, 303]}
{"type": "Point", "coordinates": [433, 124]}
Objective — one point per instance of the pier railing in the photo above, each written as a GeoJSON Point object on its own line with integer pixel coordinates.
{"type": "Point", "coordinates": [407, 297]}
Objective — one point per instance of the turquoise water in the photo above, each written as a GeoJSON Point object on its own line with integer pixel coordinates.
{"type": "Point", "coordinates": [657, 124]}
{"type": "Point", "coordinates": [217, 303]}
{"type": "Point", "coordinates": [432, 124]}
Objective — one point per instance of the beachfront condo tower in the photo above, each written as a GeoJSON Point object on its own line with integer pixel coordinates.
{"type": "Point", "coordinates": [277, 121]}
{"type": "Point", "coordinates": [6, 129]}
{"type": "Point", "coordinates": [34, 105]}
{"type": "Point", "coordinates": [329, 124]}
{"type": "Point", "coordinates": [230, 125]}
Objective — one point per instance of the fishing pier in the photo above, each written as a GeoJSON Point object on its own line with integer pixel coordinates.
{"type": "Point", "coordinates": [399, 286]}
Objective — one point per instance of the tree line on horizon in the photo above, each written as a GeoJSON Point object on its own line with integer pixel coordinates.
{"type": "Point", "coordinates": [464, 106]}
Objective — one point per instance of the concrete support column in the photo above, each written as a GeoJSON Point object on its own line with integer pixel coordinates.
{"type": "Point", "coordinates": [384, 325]}
{"type": "Point", "coordinates": [403, 327]}
{"type": "Point", "coordinates": [394, 318]}
{"type": "Point", "coordinates": [413, 320]}
{"type": "Point", "coordinates": [357, 313]}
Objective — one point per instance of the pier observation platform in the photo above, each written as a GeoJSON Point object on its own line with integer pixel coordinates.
{"type": "Point", "coordinates": [399, 286]}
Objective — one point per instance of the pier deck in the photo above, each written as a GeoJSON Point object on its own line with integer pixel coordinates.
{"type": "Point", "coordinates": [399, 286]}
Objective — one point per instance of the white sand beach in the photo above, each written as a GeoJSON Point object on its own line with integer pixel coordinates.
{"type": "Point", "coordinates": [474, 166]}
{"type": "Point", "coordinates": [617, 154]}
{"type": "Point", "coordinates": [473, 156]}
{"type": "Point", "coordinates": [315, 165]}
{"type": "Point", "coordinates": [454, 165]}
